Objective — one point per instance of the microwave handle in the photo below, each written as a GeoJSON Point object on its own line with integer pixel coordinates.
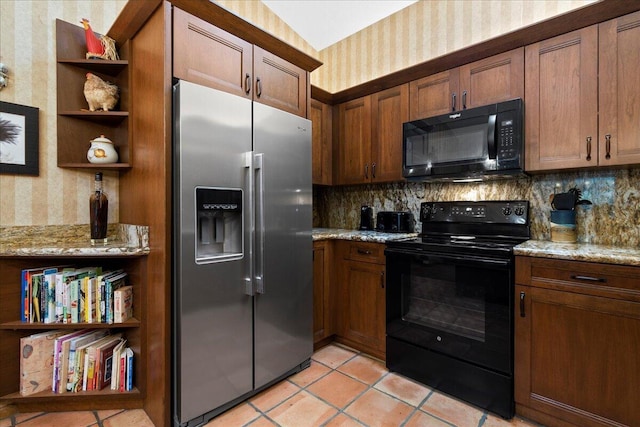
{"type": "Point", "coordinates": [491, 137]}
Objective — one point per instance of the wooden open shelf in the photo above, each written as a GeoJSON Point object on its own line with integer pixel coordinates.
{"type": "Point", "coordinates": [77, 126]}
{"type": "Point", "coordinates": [16, 325]}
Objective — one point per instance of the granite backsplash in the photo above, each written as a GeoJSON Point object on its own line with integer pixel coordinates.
{"type": "Point", "coordinates": [612, 219]}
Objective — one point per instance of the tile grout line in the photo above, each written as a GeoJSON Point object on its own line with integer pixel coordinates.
{"type": "Point", "coordinates": [369, 387]}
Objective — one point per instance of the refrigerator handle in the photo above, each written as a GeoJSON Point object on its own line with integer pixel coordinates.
{"type": "Point", "coordinates": [249, 222]}
{"type": "Point", "coordinates": [258, 166]}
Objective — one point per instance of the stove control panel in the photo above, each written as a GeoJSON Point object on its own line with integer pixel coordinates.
{"type": "Point", "coordinates": [490, 211]}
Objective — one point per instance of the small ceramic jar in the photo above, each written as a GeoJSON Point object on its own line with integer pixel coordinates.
{"type": "Point", "coordinates": [102, 151]}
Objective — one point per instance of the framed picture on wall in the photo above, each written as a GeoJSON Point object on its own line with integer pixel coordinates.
{"type": "Point", "coordinates": [19, 135]}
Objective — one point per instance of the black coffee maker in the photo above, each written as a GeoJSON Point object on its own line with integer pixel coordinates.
{"type": "Point", "coordinates": [366, 218]}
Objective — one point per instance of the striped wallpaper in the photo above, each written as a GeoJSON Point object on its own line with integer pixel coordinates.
{"type": "Point", "coordinates": [422, 31]}
{"type": "Point", "coordinates": [28, 49]}
{"type": "Point", "coordinates": [27, 46]}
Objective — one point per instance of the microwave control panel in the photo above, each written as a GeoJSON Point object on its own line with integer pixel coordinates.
{"type": "Point", "coordinates": [508, 143]}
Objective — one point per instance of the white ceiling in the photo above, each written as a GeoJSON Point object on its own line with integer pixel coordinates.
{"type": "Point", "coordinates": [324, 22]}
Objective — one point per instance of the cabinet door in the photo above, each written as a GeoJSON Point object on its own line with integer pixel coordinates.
{"type": "Point", "coordinates": [321, 294]}
{"type": "Point", "coordinates": [434, 95]}
{"type": "Point", "coordinates": [619, 86]}
{"type": "Point", "coordinates": [320, 115]}
{"type": "Point", "coordinates": [576, 357]}
{"type": "Point", "coordinates": [355, 141]}
{"type": "Point", "coordinates": [279, 83]}
{"type": "Point", "coordinates": [207, 55]}
{"type": "Point", "coordinates": [389, 110]}
{"type": "Point", "coordinates": [561, 79]}
{"type": "Point", "coordinates": [495, 79]}
{"type": "Point", "coordinates": [363, 304]}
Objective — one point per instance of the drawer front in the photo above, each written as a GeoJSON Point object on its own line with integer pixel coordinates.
{"type": "Point", "coordinates": [366, 252]}
{"type": "Point", "coordinates": [607, 280]}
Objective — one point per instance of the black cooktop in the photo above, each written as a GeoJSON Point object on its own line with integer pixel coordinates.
{"type": "Point", "coordinates": [486, 228]}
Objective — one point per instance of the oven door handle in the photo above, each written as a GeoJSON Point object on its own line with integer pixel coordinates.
{"type": "Point", "coordinates": [461, 258]}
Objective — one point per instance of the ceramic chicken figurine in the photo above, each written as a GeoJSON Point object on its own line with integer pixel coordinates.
{"type": "Point", "coordinates": [102, 47]}
{"type": "Point", "coordinates": [100, 94]}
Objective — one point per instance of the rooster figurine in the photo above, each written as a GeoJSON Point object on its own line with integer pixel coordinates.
{"type": "Point", "coordinates": [100, 94]}
{"type": "Point", "coordinates": [102, 47]}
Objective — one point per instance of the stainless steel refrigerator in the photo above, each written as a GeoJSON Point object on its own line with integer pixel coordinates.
{"type": "Point", "coordinates": [242, 264]}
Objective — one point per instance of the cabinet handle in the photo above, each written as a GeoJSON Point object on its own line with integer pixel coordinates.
{"type": "Point", "coordinates": [364, 252]}
{"type": "Point", "coordinates": [258, 87]}
{"type": "Point", "coordinates": [382, 280]}
{"type": "Point", "coordinates": [588, 148]}
{"type": "Point", "coordinates": [366, 171]}
{"type": "Point", "coordinates": [453, 101]}
{"type": "Point", "coordinates": [247, 83]}
{"type": "Point", "coordinates": [521, 304]}
{"type": "Point", "coordinates": [589, 278]}
{"type": "Point", "coordinates": [464, 100]}
{"type": "Point", "coordinates": [607, 138]}
{"type": "Point", "coordinates": [373, 170]}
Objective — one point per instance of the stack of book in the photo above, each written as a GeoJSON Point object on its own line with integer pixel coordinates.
{"type": "Point", "coordinates": [63, 294]}
{"type": "Point", "coordinates": [83, 360]}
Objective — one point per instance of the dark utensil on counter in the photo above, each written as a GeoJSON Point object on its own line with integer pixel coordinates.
{"type": "Point", "coordinates": [366, 217]}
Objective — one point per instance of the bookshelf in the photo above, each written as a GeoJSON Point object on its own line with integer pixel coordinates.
{"type": "Point", "coordinates": [12, 329]}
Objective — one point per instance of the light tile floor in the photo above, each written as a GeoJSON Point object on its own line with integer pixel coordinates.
{"type": "Point", "coordinates": [341, 388]}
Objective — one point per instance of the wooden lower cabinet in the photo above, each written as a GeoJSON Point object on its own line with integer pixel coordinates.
{"type": "Point", "coordinates": [361, 296]}
{"type": "Point", "coordinates": [577, 341]}
{"type": "Point", "coordinates": [323, 308]}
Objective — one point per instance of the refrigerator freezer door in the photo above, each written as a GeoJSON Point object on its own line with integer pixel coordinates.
{"type": "Point", "coordinates": [283, 303]}
{"type": "Point", "coordinates": [213, 316]}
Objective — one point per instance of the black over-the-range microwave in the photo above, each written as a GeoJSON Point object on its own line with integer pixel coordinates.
{"type": "Point", "coordinates": [467, 145]}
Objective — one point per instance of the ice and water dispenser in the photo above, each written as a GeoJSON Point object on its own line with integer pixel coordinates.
{"type": "Point", "coordinates": [218, 224]}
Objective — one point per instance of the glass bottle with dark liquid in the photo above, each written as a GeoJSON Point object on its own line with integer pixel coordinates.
{"type": "Point", "coordinates": [99, 206]}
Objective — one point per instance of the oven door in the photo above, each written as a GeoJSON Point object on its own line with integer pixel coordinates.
{"type": "Point", "coordinates": [459, 306]}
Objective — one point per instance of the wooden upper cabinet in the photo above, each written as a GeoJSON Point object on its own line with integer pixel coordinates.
{"type": "Point", "coordinates": [279, 83]}
{"type": "Point", "coordinates": [320, 115]}
{"type": "Point", "coordinates": [370, 137]}
{"type": "Point", "coordinates": [206, 55]}
{"type": "Point", "coordinates": [434, 95]}
{"type": "Point", "coordinates": [355, 141]}
{"type": "Point", "coordinates": [389, 110]}
{"type": "Point", "coordinates": [487, 81]}
{"type": "Point", "coordinates": [491, 80]}
{"type": "Point", "coordinates": [561, 91]}
{"type": "Point", "coordinates": [619, 91]}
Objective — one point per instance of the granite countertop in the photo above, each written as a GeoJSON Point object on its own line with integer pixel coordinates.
{"type": "Point", "coordinates": [72, 240]}
{"type": "Point", "coordinates": [357, 235]}
{"type": "Point", "coordinates": [579, 252]}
